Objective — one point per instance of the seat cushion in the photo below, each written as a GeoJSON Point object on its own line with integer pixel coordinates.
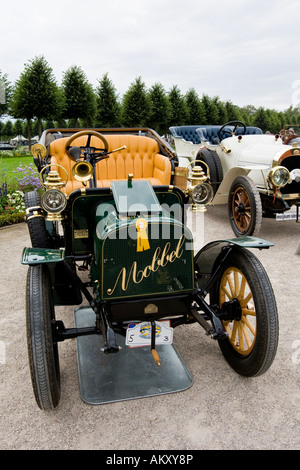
{"type": "Point", "coordinates": [187, 133]}
{"type": "Point", "coordinates": [140, 158]}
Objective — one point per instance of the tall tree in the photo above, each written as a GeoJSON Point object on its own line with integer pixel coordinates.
{"type": "Point", "coordinates": [211, 110]}
{"type": "Point", "coordinates": [79, 96]}
{"type": "Point", "coordinates": [8, 129]}
{"type": "Point", "coordinates": [108, 106]}
{"type": "Point", "coordinates": [222, 112]}
{"type": "Point", "coordinates": [261, 119]}
{"type": "Point", "coordinates": [195, 109]}
{"type": "Point", "coordinates": [233, 112]}
{"type": "Point", "coordinates": [178, 107]}
{"type": "Point", "coordinates": [36, 94]}
{"type": "Point", "coordinates": [17, 127]}
{"type": "Point", "coordinates": [160, 109]}
{"type": "Point", "coordinates": [135, 105]}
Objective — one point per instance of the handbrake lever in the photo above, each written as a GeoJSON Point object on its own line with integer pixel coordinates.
{"type": "Point", "coordinates": [106, 155]}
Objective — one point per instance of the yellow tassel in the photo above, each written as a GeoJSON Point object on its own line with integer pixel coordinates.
{"type": "Point", "coordinates": [156, 357]}
{"type": "Point", "coordinates": [142, 238]}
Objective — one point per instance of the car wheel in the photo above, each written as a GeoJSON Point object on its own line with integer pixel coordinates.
{"type": "Point", "coordinates": [244, 207]}
{"type": "Point", "coordinates": [42, 348]}
{"type": "Point", "coordinates": [36, 222]}
{"type": "Point", "coordinates": [252, 321]}
{"type": "Point", "coordinates": [213, 162]}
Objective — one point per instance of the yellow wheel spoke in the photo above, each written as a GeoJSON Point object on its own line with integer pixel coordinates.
{"type": "Point", "coordinates": [231, 285]}
{"type": "Point", "coordinates": [241, 338]}
{"type": "Point", "coordinates": [227, 293]}
{"type": "Point", "coordinates": [246, 300]}
{"type": "Point", "coordinates": [236, 284]}
{"type": "Point", "coordinates": [234, 331]}
{"type": "Point", "coordinates": [248, 311]}
{"type": "Point", "coordinates": [242, 288]}
{"type": "Point", "coordinates": [241, 333]}
{"type": "Point", "coordinates": [248, 325]}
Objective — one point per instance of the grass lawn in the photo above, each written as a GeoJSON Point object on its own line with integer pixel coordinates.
{"type": "Point", "coordinates": [9, 165]}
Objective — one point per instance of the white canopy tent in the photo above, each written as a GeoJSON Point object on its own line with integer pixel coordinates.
{"type": "Point", "coordinates": [19, 139]}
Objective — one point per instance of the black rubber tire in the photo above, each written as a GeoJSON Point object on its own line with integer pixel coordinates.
{"type": "Point", "coordinates": [36, 224]}
{"type": "Point", "coordinates": [214, 164]}
{"type": "Point", "coordinates": [258, 307]}
{"type": "Point", "coordinates": [42, 349]}
{"type": "Point", "coordinates": [244, 207]}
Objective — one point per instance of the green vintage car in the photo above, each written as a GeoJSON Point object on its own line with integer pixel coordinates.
{"type": "Point", "coordinates": [108, 237]}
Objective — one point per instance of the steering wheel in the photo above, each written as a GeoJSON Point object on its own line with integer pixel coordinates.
{"type": "Point", "coordinates": [230, 132]}
{"type": "Point", "coordinates": [76, 152]}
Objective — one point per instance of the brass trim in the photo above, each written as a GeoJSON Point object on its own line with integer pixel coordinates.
{"type": "Point", "coordinates": [33, 208]}
{"type": "Point", "coordinates": [81, 233]}
{"type": "Point", "coordinates": [150, 309]}
{"type": "Point", "coordinates": [290, 196]}
{"type": "Point", "coordinates": [33, 216]}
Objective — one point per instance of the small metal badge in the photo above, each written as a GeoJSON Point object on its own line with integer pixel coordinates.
{"type": "Point", "coordinates": [83, 233]}
{"type": "Point", "coordinates": [150, 308]}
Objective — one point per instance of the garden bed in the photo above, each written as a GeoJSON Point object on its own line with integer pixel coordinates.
{"type": "Point", "coordinates": [18, 174]}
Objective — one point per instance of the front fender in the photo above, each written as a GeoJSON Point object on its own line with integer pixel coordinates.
{"type": "Point", "coordinates": [32, 256]}
{"type": "Point", "coordinates": [221, 196]}
{"type": "Point", "coordinates": [206, 257]}
{"type": "Point", "coordinates": [65, 291]}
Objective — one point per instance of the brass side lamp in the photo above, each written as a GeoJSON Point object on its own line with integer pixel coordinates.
{"type": "Point", "coordinates": [200, 191]}
{"type": "Point", "coordinates": [53, 201]}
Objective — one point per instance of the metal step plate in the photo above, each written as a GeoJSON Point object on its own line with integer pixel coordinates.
{"type": "Point", "coordinates": [129, 374]}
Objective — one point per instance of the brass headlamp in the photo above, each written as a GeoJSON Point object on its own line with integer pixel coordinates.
{"type": "Point", "coordinates": [53, 201]}
{"type": "Point", "coordinates": [200, 191]}
{"type": "Point", "coordinates": [279, 176]}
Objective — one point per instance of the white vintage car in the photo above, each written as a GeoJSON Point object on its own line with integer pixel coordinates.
{"type": "Point", "coordinates": [256, 174]}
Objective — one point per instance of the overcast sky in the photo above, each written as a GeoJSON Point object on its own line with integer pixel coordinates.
{"type": "Point", "coordinates": [245, 51]}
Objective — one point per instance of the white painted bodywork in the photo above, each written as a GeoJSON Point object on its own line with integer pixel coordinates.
{"type": "Point", "coordinates": [251, 155]}
{"type": "Point", "coordinates": [186, 149]}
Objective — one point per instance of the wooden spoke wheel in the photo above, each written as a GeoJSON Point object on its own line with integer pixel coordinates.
{"type": "Point", "coordinates": [244, 207]}
{"type": "Point", "coordinates": [241, 330]}
{"type": "Point", "coordinates": [248, 312]}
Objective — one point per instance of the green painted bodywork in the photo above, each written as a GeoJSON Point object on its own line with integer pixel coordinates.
{"type": "Point", "coordinates": [79, 231]}
{"type": "Point", "coordinates": [205, 259]}
{"type": "Point", "coordinates": [121, 271]}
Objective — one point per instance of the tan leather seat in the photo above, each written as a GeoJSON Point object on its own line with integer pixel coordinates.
{"type": "Point", "coordinates": [140, 158]}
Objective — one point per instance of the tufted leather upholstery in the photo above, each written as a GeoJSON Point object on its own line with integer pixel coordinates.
{"type": "Point", "coordinates": [198, 134]}
{"type": "Point", "coordinates": [140, 158]}
{"type": "Point", "coordinates": [186, 132]}
{"type": "Point", "coordinates": [191, 134]}
{"type": "Point", "coordinates": [210, 133]}
{"type": "Point", "coordinates": [249, 130]}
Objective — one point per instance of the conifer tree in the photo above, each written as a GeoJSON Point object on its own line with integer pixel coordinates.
{"type": "Point", "coordinates": [108, 106]}
{"type": "Point", "coordinates": [135, 105]}
{"type": "Point", "coordinates": [195, 109]}
{"type": "Point", "coordinates": [79, 97]}
{"type": "Point", "coordinates": [160, 109]}
{"type": "Point", "coordinates": [178, 107]}
{"type": "Point", "coordinates": [36, 94]}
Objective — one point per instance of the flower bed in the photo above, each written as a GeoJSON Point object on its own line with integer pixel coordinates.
{"type": "Point", "coordinates": [12, 190]}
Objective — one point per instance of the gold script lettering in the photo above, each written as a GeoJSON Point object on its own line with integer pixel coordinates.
{"type": "Point", "coordinates": [160, 259]}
